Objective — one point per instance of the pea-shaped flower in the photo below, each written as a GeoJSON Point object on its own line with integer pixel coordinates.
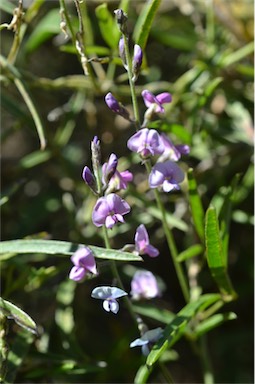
{"type": "Point", "coordinates": [172, 152]}
{"type": "Point", "coordinates": [147, 340]}
{"type": "Point", "coordinates": [109, 295]}
{"type": "Point", "coordinates": [109, 210]}
{"type": "Point", "coordinates": [144, 285]}
{"type": "Point", "coordinates": [156, 101]}
{"type": "Point", "coordinates": [146, 142]}
{"type": "Point", "coordinates": [142, 243]}
{"type": "Point", "coordinates": [167, 175]}
{"type": "Point", "coordinates": [84, 262]}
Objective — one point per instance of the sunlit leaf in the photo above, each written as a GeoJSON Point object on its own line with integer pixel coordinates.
{"type": "Point", "coordinates": [175, 329]}
{"type": "Point", "coordinates": [57, 247]}
{"type": "Point", "coordinates": [192, 251]}
{"type": "Point", "coordinates": [142, 374]}
{"type": "Point", "coordinates": [213, 322]}
{"type": "Point", "coordinates": [20, 317]}
{"type": "Point", "coordinates": [196, 206]}
{"type": "Point", "coordinates": [108, 26]}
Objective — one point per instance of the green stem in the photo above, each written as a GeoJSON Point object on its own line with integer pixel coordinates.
{"type": "Point", "coordinates": [115, 273]}
{"type": "Point", "coordinates": [166, 373]}
{"type": "Point", "coordinates": [205, 361]}
{"type": "Point", "coordinates": [171, 243]}
{"type": "Point", "coordinates": [131, 83]}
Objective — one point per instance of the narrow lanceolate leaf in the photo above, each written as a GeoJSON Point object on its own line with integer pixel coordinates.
{"type": "Point", "coordinates": [107, 25]}
{"type": "Point", "coordinates": [20, 317]}
{"type": "Point", "coordinates": [215, 258]}
{"type": "Point", "coordinates": [144, 22]}
{"type": "Point", "coordinates": [142, 375]}
{"type": "Point", "coordinates": [192, 251]}
{"type": "Point", "coordinates": [196, 206]}
{"type": "Point", "coordinates": [177, 326]}
{"type": "Point", "coordinates": [213, 322]}
{"type": "Point", "coordinates": [54, 247]}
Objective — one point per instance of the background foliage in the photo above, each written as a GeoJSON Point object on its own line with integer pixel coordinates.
{"type": "Point", "coordinates": [199, 51]}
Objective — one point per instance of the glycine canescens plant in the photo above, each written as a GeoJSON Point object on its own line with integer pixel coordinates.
{"type": "Point", "coordinates": [146, 258]}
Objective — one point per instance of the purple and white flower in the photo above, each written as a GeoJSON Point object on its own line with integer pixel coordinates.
{"type": "Point", "coordinates": [137, 61]}
{"type": "Point", "coordinates": [156, 102]}
{"type": "Point", "coordinates": [167, 175]}
{"type": "Point", "coordinates": [142, 243]}
{"type": "Point", "coordinates": [109, 296]}
{"type": "Point", "coordinates": [146, 142]}
{"type": "Point", "coordinates": [144, 285]}
{"type": "Point", "coordinates": [109, 210]}
{"type": "Point", "coordinates": [147, 339]}
{"type": "Point", "coordinates": [116, 107]}
{"type": "Point", "coordinates": [84, 262]}
{"type": "Point", "coordinates": [172, 152]}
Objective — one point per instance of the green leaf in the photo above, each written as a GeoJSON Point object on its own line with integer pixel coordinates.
{"type": "Point", "coordinates": [54, 247]}
{"type": "Point", "coordinates": [213, 322]}
{"type": "Point", "coordinates": [217, 261]}
{"type": "Point", "coordinates": [149, 310]}
{"type": "Point", "coordinates": [144, 22]}
{"type": "Point", "coordinates": [7, 6]}
{"type": "Point", "coordinates": [142, 374]}
{"type": "Point", "coordinates": [108, 26]}
{"type": "Point", "coordinates": [175, 329]}
{"type": "Point", "coordinates": [44, 30]}
{"type": "Point", "coordinates": [192, 251]}
{"type": "Point", "coordinates": [196, 206]}
{"type": "Point", "coordinates": [20, 317]}
{"type": "Point", "coordinates": [238, 55]}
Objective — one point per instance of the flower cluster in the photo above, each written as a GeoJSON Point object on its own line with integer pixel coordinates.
{"type": "Point", "coordinates": [106, 181]}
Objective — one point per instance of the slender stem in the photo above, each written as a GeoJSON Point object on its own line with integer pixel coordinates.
{"type": "Point", "coordinates": [166, 373]}
{"type": "Point", "coordinates": [131, 83]}
{"type": "Point", "coordinates": [115, 273]}
{"type": "Point", "coordinates": [205, 361]}
{"type": "Point", "coordinates": [171, 243]}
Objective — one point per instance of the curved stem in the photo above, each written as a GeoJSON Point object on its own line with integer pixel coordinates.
{"type": "Point", "coordinates": [115, 273]}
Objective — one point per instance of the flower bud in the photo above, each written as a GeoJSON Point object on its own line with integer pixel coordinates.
{"type": "Point", "coordinates": [89, 178]}
{"type": "Point", "coordinates": [122, 52]}
{"type": "Point", "coordinates": [121, 18]}
{"type": "Point", "coordinates": [137, 61]}
{"type": "Point", "coordinates": [116, 107]}
{"type": "Point", "coordinates": [109, 168]}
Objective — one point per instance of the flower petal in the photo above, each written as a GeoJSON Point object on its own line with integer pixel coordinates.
{"type": "Point", "coordinates": [77, 273]}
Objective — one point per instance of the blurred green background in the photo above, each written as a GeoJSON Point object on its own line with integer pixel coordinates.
{"type": "Point", "coordinates": [201, 52]}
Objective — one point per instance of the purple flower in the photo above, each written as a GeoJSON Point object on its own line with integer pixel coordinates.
{"type": "Point", "coordinates": [119, 181]}
{"type": "Point", "coordinates": [137, 61]}
{"type": "Point", "coordinates": [168, 175]}
{"type": "Point", "coordinates": [144, 285]}
{"type": "Point", "coordinates": [109, 168]}
{"type": "Point", "coordinates": [116, 107]}
{"type": "Point", "coordinates": [147, 339]}
{"type": "Point", "coordinates": [109, 295]}
{"type": "Point", "coordinates": [151, 100]}
{"type": "Point", "coordinates": [146, 142]}
{"type": "Point", "coordinates": [142, 243]}
{"type": "Point", "coordinates": [109, 210]}
{"type": "Point", "coordinates": [89, 178]}
{"type": "Point", "coordinates": [172, 152]}
{"type": "Point", "coordinates": [122, 52]}
{"type": "Point", "coordinates": [84, 262]}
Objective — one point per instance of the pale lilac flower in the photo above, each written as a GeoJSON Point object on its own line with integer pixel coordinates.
{"type": "Point", "coordinates": [109, 210]}
{"type": "Point", "coordinates": [144, 286]}
{"type": "Point", "coordinates": [122, 52]}
{"type": "Point", "coordinates": [172, 152]}
{"type": "Point", "coordinates": [147, 340]}
{"type": "Point", "coordinates": [146, 142]}
{"type": "Point", "coordinates": [109, 168]}
{"type": "Point", "coordinates": [84, 262]}
{"type": "Point", "coordinates": [168, 175]}
{"type": "Point", "coordinates": [109, 295]}
{"type": "Point", "coordinates": [120, 180]}
{"type": "Point", "coordinates": [137, 61]}
{"type": "Point", "coordinates": [142, 243]}
{"type": "Point", "coordinates": [115, 106]}
{"type": "Point", "coordinates": [150, 100]}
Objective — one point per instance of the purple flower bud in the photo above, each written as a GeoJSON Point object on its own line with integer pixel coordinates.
{"type": "Point", "coordinates": [116, 107]}
{"type": "Point", "coordinates": [109, 210]}
{"type": "Point", "coordinates": [144, 286]}
{"type": "Point", "coordinates": [156, 101]}
{"type": "Point", "coordinates": [109, 168]}
{"type": "Point", "coordinates": [119, 181]}
{"type": "Point", "coordinates": [95, 154]}
{"type": "Point", "coordinates": [89, 179]}
{"type": "Point", "coordinates": [146, 142]}
{"type": "Point", "coordinates": [84, 262]}
{"type": "Point", "coordinates": [172, 152]}
{"type": "Point", "coordinates": [168, 175]}
{"type": "Point", "coordinates": [142, 243]}
{"type": "Point", "coordinates": [147, 339]}
{"type": "Point", "coordinates": [137, 61]}
{"type": "Point", "coordinates": [109, 295]}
